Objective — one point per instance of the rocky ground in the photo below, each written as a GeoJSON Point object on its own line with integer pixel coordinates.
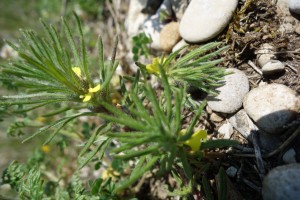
{"type": "Point", "coordinates": [259, 103]}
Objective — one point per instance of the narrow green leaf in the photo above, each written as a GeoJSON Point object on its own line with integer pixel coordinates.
{"type": "Point", "coordinates": [221, 180]}
{"type": "Point", "coordinates": [206, 188]}
{"type": "Point", "coordinates": [102, 147]}
{"type": "Point", "coordinates": [220, 143]}
{"type": "Point", "coordinates": [128, 182]}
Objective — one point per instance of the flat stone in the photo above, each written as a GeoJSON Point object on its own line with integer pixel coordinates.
{"type": "Point", "coordinates": [272, 67]}
{"type": "Point", "coordinates": [244, 125]}
{"type": "Point", "coordinates": [272, 106]}
{"type": "Point", "coordinates": [231, 94]}
{"type": "Point", "coordinates": [169, 36]}
{"type": "Point", "coordinates": [294, 6]}
{"type": "Point", "coordinates": [289, 156]}
{"type": "Point", "coordinates": [205, 19]}
{"type": "Point", "coordinates": [282, 183]}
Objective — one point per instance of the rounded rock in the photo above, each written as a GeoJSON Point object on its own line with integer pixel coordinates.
{"type": "Point", "coordinates": [272, 67]}
{"type": "Point", "coordinates": [169, 36]}
{"type": "Point", "coordinates": [205, 19]}
{"type": "Point", "coordinates": [265, 54]}
{"type": "Point", "coordinates": [272, 106]}
{"type": "Point", "coordinates": [289, 156]}
{"type": "Point", "coordinates": [231, 94]}
{"type": "Point", "coordinates": [294, 6]}
{"type": "Point", "coordinates": [282, 183]}
{"type": "Point", "coordinates": [231, 171]}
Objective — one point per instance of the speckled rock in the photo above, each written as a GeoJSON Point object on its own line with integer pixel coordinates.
{"type": "Point", "coordinates": [272, 106]}
{"type": "Point", "coordinates": [179, 6]}
{"type": "Point", "coordinates": [282, 183]}
{"type": "Point", "coordinates": [169, 36]}
{"type": "Point", "coordinates": [294, 6]}
{"type": "Point", "coordinates": [272, 67]}
{"type": "Point", "coordinates": [153, 26]}
{"type": "Point", "coordinates": [205, 19]}
{"type": "Point", "coordinates": [231, 94]}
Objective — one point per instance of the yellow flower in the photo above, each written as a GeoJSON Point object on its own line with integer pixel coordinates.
{"type": "Point", "coordinates": [194, 142]}
{"type": "Point", "coordinates": [109, 173]}
{"type": "Point", "coordinates": [77, 71]}
{"type": "Point", "coordinates": [45, 148]}
{"type": "Point", "coordinates": [88, 96]}
{"type": "Point", "coordinates": [154, 67]}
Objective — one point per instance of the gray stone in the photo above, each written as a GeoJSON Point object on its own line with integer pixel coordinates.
{"type": "Point", "coordinates": [289, 156]}
{"type": "Point", "coordinates": [272, 67]}
{"type": "Point", "coordinates": [226, 130]}
{"type": "Point", "coordinates": [205, 19]}
{"type": "Point", "coordinates": [272, 106]}
{"type": "Point", "coordinates": [294, 6]}
{"type": "Point", "coordinates": [231, 171]}
{"type": "Point", "coordinates": [282, 183]}
{"type": "Point", "coordinates": [231, 94]}
{"type": "Point", "coordinates": [265, 54]}
{"type": "Point", "coordinates": [244, 125]}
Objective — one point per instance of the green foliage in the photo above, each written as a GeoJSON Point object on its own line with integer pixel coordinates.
{"type": "Point", "coordinates": [146, 126]}
{"type": "Point", "coordinates": [140, 46]}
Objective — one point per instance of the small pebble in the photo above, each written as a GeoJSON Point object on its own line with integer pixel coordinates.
{"type": "Point", "coordinates": [231, 94]}
{"type": "Point", "coordinates": [231, 171]}
{"type": "Point", "coordinates": [273, 67]}
{"type": "Point", "coordinates": [179, 45]}
{"type": "Point", "coordinates": [282, 183]}
{"type": "Point", "coordinates": [226, 130]}
{"type": "Point", "coordinates": [216, 118]}
{"type": "Point", "coordinates": [289, 156]}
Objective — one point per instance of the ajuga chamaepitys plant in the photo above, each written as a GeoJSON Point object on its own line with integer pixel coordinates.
{"type": "Point", "coordinates": [145, 126]}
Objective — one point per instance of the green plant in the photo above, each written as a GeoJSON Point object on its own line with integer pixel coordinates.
{"type": "Point", "coordinates": [145, 125]}
{"type": "Point", "coordinates": [139, 46]}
